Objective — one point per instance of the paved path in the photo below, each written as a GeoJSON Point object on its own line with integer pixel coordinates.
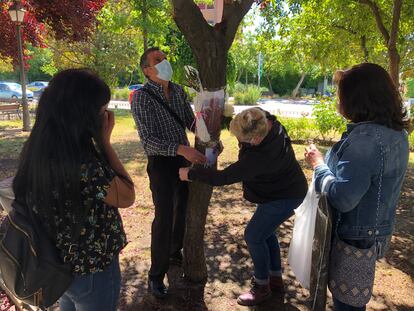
{"type": "Point", "coordinates": [281, 107]}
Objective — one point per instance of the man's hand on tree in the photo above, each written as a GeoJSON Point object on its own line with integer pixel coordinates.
{"type": "Point", "coordinates": [191, 154]}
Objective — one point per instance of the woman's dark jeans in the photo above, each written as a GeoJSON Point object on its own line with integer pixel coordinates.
{"type": "Point", "coordinates": [261, 238]}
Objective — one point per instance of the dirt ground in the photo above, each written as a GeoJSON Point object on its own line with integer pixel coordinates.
{"type": "Point", "coordinates": [228, 261]}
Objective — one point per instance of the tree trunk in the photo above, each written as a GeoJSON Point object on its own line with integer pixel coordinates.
{"type": "Point", "coordinates": [239, 75]}
{"type": "Point", "coordinates": [270, 83]}
{"type": "Point", "coordinates": [210, 47]}
{"type": "Point", "coordinates": [390, 36]}
{"type": "Point", "coordinates": [296, 90]}
{"type": "Point", "coordinates": [394, 65]}
{"type": "Point", "coordinates": [144, 24]}
{"type": "Point", "coordinates": [364, 48]}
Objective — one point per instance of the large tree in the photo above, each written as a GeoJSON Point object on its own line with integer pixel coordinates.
{"type": "Point", "coordinates": [113, 47]}
{"type": "Point", "coordinates": [151, 17]}
{"type": "Point", "coordinates": [383, 29]}
{"type": "Point", "coordinates": [210, 46]}
{"type": "Point", "coordinates": [65, 19]}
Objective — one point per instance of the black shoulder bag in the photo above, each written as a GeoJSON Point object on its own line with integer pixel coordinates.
{"type": "Point", "coordinates": [159, 100]}
{"type": "Point", "coordinates": [30, 262]}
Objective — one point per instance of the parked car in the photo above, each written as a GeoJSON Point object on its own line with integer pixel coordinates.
{"type": "Point", "coordinates": [133, 88]}
{"type": "Point", "coordinates": [11, 90]}
{"type": "Point", "coordinates": [37, 85]}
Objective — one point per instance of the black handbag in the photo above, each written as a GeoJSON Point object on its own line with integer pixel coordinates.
{"type": "Point", "coordinates": [30, 264]}
{"type": "Point", "coordinates": [351, 268]}
{"type": "Point", "coordinates": [320, 255]}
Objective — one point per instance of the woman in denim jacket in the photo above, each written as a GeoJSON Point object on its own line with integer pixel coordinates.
{"type": "Point", "coordinates": [366, 168]}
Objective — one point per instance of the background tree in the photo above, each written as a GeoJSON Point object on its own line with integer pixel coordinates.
{"type": "Point", "coordinates": [383, 28]}
{"type": "Point", "coordinates": [152, 18]}
{"type": "Point", "coordinates": [112, 48]}
{"type": "Point", "coordinates": [70, 19]}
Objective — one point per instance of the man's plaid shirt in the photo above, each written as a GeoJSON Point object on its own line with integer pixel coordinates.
{"type": "Point", "coordinates": [160, 133]}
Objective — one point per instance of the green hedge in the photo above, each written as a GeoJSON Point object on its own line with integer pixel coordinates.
{"type": "Point", "coordinates": [410, 88]}
{"type": "Point", "coordinates": [121, 94]}
{"type": "Point", "coordinates": [246, 95]}
{"type": "Point", "coordinates": [302, 129]}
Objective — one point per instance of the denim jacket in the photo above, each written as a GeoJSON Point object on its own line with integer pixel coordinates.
{"type": "Point", "coordinates": [362, 179]}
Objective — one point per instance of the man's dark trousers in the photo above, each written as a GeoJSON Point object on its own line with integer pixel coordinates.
{"type": "Point", "coordinates": [169, 195]}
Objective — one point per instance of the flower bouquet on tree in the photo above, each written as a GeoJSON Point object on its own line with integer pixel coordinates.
{"type": "Point", "coordinates": [209, 108]}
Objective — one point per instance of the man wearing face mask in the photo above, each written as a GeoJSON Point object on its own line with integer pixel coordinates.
{"type": "Point", "coordinates": [162, 113]}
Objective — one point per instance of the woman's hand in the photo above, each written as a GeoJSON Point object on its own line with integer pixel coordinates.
{"type": "Point", "coordinates": [313, 156]}
{"type": "Point", "coordinates": [108, 123]}
{"type": "Point", "coordinates": [184, 173]}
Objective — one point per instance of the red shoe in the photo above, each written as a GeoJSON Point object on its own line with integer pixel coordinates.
{"type": "Point", "coordinates": [276, 284]}
{"type": "Point", "coordinates": [256, 295]}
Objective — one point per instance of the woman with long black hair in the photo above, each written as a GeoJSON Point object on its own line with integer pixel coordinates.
{"type": "Point", "coordinates": [71, 178]}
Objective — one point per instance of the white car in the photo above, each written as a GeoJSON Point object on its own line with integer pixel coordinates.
{"type": "Point", "coordinates": [11, 90]}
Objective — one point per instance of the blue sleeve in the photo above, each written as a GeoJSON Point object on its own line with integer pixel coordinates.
{"type": "Point", "coordinates": [357, 162]}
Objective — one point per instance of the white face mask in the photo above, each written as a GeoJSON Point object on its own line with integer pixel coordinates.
{"type": "Point", "coordinates": [165, 71]}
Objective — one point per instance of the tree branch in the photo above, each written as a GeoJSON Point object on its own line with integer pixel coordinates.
{"type": "Point", "coordinates": [62, 54]}
{"type": "Point", "coordinates": [190, 21]}
{"type": "Point", "coordinates": [345, 29]}
{"type": "Point", "coordinates": [377, 14]}
{"type": "Point", "coordinates": [396, 14]}
{"type": "Point", "coordinates": [232, 16]}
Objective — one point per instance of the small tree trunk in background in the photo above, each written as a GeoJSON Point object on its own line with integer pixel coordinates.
{"type": "Point", "coordinates": [210, 46]}
{"type": "Point", "coordinates": [270, 83]}
{"type": "Point", "coordinates": [144, 23]}
{"type": "Point", "coordinates": [394, 56]}
{"type": "Point", "coordinates": [239, 75]}
{"type": "Point", "coordinates": [296, 90]}
{"type": "Point", "coordinates": [394, 65]}
{"type": "Point", "coordinates": [364, 48]}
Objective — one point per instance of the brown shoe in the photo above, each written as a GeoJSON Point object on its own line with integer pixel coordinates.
{"type": "Point", "coordinates": [257, 294]}
{"type": "Point", "coordinates": [276, 284]}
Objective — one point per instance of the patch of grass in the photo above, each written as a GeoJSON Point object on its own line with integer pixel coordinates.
{"type": "Point", "coordinates": [124, 126]}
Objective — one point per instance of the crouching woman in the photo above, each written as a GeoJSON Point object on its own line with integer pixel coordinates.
{"type": "Point", "coordinates": [273, 179]}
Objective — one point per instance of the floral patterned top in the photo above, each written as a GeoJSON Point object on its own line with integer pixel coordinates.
{"type": "Point", "coordinates": [102, 235]}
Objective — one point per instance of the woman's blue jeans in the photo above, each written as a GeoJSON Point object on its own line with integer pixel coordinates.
{"type": "Point", "coordinates": [96, 291]}
{"type": "Point", "coordinates": [261, 237]}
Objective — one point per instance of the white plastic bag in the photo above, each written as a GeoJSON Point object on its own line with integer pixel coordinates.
{"type": "Point", "coordinates": [300, 250]}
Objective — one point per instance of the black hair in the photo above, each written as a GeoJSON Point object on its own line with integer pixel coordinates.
{"type": "Point", "coordinates": [65, 135]}
{"type": "Point", "coordinates": [366, 92]}
{"type": "Point", "coordinates": [143, 62]}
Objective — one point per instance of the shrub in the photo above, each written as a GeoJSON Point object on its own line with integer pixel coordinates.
{"type": "Point", "coordinates": [302, 129]}
{"type": "Point", "coordinates": [248, 96]}
{"type": "Point", "coordinates": [328, 120]}
{"type": "Point", "coordinates": [410, 88]}
{"type": "Point", "coordinates": [122, 94]}
{"type": "Point", "coordinates": [237, 87]}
